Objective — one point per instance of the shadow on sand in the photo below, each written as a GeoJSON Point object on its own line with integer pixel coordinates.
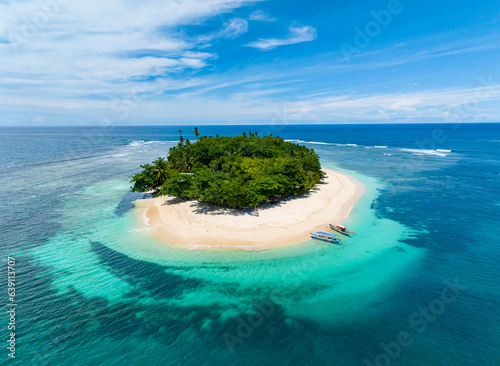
{"type": "Point", "coordinates": [210, 209]}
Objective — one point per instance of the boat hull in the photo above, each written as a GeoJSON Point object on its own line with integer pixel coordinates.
{"type": "Point", "coordinates": [339, 231]}
{"type": "Point", "coordinates": [326, 240]}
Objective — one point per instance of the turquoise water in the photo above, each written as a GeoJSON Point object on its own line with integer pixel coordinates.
{"type": "Point", "coordinates": [93, 289]}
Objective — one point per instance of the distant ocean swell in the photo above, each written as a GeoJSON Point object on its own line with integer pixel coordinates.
{"type": "Point", "coordinates": [436, 152]}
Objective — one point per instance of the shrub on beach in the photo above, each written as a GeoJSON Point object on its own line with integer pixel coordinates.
{"type": "Point", "coordinates": [240, 171]}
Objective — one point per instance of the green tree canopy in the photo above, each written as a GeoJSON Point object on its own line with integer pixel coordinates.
{"type": "Point", "coordinates": [240, 171]}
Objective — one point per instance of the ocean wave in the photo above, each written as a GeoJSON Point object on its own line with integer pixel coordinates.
{"type": "Point", "coordinates": [436, 152]}
{"type": "Point", "coordinates": [143, 143]}
{"type": "Point", "coordinates": [332, 143]}
{"type": "Point", "coordinates": [145, 217]}
{"type": "Point", "coordinates": [309, 142]}
{"type": "Point", "coordinates": [136, 143]}
{"type": "Point", "coordinates": [317, 142]}
{"type": "Point", "coordinates": [351, 145]}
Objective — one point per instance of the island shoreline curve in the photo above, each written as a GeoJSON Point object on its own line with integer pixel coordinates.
{"type": "Point", "coordinates": [198, 226]}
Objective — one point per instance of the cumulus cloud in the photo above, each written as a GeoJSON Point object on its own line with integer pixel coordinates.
{"type": "Point", "coordinates": [296, 35]}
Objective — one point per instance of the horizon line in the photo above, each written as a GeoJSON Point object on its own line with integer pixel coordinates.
{"type": "Point", "coordinates": [271, 124]}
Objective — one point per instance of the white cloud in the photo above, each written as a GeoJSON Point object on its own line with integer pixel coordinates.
{"type": "Point", "coordinates": [296, 35]}
{"type": "Point", "coordinates": [467, 104]}
{"type": "Point", "coordinates": [230, 30]}
{"type": "Point", "coordinates": [261, 16]}
{"type": "Point", "coordinates": [234, 28]}
{"type": "Point", "coordinates": [257, 99]}
{"type": "Point", "coordinates": [84, 60]}
{"type": "Point", "coordinates": [72, 49]}
{"type": "Point", "coordinates": [200, 55]}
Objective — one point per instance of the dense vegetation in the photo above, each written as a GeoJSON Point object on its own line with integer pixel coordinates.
{"type": "Point", "coordinates": [240, 171]}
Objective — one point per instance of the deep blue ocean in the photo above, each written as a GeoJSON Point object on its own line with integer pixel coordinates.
{"type": "Point", "coordinates": [418, 286]}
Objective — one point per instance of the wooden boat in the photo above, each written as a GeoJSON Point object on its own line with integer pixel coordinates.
{"type": "Point", "coordinates": [341, 229]}
{"type": "Point", "coordinates": [328, 237]}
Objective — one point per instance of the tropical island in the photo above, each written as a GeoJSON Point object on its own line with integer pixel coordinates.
{"type": "Point", "coordinates": [206, 194]}
{"type": "Point", "coordinates": [236, 172]}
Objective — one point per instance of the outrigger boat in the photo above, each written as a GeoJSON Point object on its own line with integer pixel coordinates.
{"type": "Point", "coordinates": [328, 237]}
{"type": "Point", "coordinates": [341, 229]}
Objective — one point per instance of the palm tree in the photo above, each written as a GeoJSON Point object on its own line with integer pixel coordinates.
{"type": "Point", "coordinates": [181, 138]}
{"type": "Point", "coordinates": [160, 171]}
{"type": "Point", "coordinates": [196, 133]}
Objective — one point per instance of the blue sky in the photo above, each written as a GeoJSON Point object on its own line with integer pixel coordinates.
{"type": "Point", "coordinates": [130, 62]}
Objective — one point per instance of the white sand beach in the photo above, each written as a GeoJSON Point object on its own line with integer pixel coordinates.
{"type": "Point", "coordinates": [194, 225]}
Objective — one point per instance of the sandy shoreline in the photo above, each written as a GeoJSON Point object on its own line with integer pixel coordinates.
{"type": "Point", "coordinates": [193, 225]}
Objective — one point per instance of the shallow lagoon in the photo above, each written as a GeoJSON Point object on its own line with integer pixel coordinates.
{"type": "Point", "coordinates": [95, 288]}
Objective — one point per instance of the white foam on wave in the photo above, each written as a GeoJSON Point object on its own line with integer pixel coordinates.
{"type": "Point", "coordinates": [330, 143]}
{"type": "Point", "coordinates": [136, 143]}
{"type": "Point", "coordinates": [427, 152]}
{"type": "Point", "coordinates": [351, 145]}
{"type": "Point", "coordinates": [308, 142]}
{"type": "Point", "coordinates": [317, 143]}
{"type": "Point", "coordinates": [442, 150]}
{"type": "Point", "coordinates": [145, 217]}
{"type": "Point", "coordinates": [142, 143]}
